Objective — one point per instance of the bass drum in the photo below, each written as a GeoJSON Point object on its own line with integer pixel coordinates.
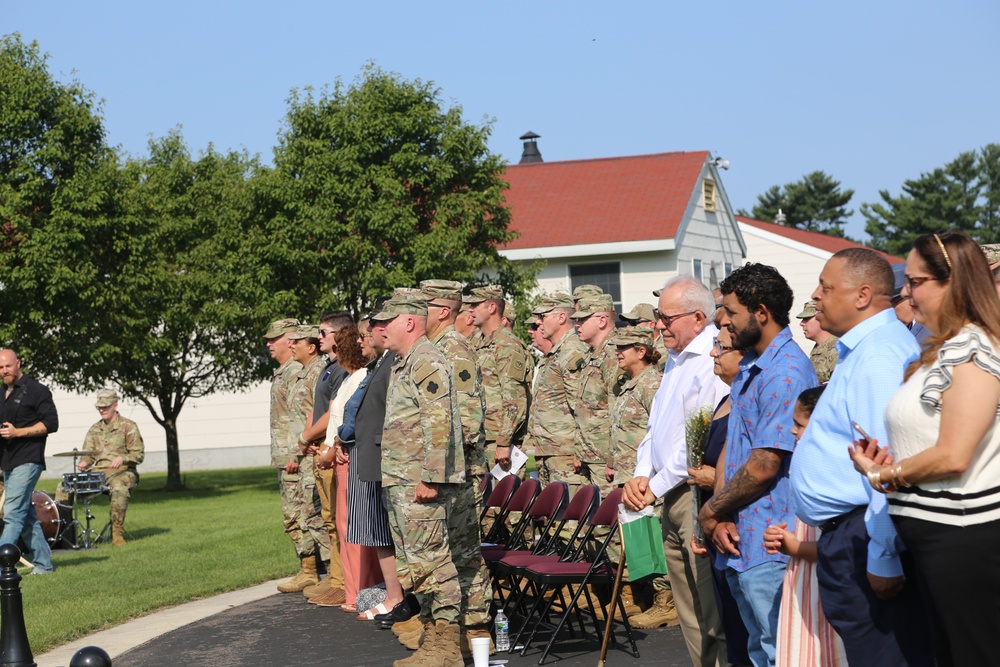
{"type": "Point", "coordinates": [48, 515]}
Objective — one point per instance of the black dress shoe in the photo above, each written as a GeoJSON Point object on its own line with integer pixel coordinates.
{"type": "Point", "coordinates": [403, 611]}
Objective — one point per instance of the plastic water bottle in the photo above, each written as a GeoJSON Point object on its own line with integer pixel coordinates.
{"type": "Point", "coordinates": [501, 627]}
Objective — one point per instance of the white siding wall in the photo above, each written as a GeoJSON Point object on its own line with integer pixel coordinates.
{"type": "Point", "coordinates": [229, 430]}
{"type": "Point", "coordinates": [709, 237]}
{"type": "Point", "coordinates": [798, 263]}
{"type": "Point", "coordinates": [641, 273]}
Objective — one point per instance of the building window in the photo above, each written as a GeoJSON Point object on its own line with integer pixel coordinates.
{"type": "Point", "coordinates": [728, 269]}
{"type": "Point", "coordinates": [708, 190]}
{"type": "Point", "coordinates": [606, 276]}
{"type": "Point", "coordinates": [713, 276]}
{"type": "Point", "coordinates": [696, 268]}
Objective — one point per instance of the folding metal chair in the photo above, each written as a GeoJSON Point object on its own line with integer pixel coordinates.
{"type": "Point", "coordinates": [579, 511]}
{"type": "Point", "coordinates": [540, 518]}
{"type": "Point", "coordinates": [554, 576]}
{"type": "Point", "coordinates": [498, 500]}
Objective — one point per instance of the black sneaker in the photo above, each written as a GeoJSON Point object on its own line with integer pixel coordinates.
{"type": "Point", "coordinates": [403, 611]}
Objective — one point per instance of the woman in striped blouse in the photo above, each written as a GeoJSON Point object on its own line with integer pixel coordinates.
{"type": "Point", "coordinates": [944, 480]}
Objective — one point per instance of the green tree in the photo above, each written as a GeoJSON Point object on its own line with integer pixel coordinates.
{"type": "Point", "coordinates": [964, 194]}
{"type": "Point", "coordinates": [376, 185]}
{"type": "Point", "coordinates": [815, 203]}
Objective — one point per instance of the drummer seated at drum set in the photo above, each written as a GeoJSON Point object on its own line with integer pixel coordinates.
{"type": "Point", "coordinates": [111, 451]}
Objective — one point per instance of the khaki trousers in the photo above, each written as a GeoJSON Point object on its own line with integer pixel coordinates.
{"type": "Point", "coordinates": [326, 488]}
{"type": "Point", "coordinates": [691, 582]}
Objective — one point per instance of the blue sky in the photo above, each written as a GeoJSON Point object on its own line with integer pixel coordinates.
{"type": "Point", "coordinates": [872, 93]}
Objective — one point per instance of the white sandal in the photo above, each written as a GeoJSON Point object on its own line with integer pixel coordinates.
{"type": "Point", "coordinates": [368, 615]}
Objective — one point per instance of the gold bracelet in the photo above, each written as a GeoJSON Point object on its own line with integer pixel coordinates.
{"type": "Point", "coordinates": [899, 476]}
{"type": "Point", "coordinates": [875, 479]}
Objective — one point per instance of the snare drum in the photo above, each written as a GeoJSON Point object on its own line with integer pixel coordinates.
{"type": "Point", "coordinates": [84, 483]}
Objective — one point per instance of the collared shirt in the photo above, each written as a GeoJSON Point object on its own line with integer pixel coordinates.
{"type": "Point", "coordinates": [873, 357]}
{"type": "Point", "coordinates": [688, 383]}
{"type": "Point", "coordinates": [29, 402]}
{"type": "Point", "coordinates": [327, 386]}
{"type": "Point", "coordinates": [763, 398]}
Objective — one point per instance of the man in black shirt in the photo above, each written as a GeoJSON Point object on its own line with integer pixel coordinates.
{"type": "Point", "coordinates": [27, 416]}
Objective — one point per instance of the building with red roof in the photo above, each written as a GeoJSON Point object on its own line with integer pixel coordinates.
{"type": "Point", "coordinates": [624, 223]}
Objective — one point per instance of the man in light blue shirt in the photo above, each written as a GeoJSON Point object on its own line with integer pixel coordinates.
{"type": "Point", "coordinates": [863, 588]}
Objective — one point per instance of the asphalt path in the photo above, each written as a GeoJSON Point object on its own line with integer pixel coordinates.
{"type": "Point", "coordinates": [282, 630]}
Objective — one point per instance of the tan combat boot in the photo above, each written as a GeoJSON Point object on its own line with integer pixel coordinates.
{"type": "Point", "coordinates": [660, 614]}
{"type": "Point", "coordinates": [409, 625]}
{"type": "Point", "coordinates": [628, 601]}
{"type": "Point", "coordinates": [306, 576]}
{"type": "Point", "coordinates": [415, 639]}
{"type": "Point", "coordinates": [468, 634]}
{"type": "Point", "coordinates": [426, 655]}
{"type": "Point", "coordinates": [449, 653]}
{"type": "Point", "coordinates": [117, 539]}
{"type": "Point", "coordinates": [317, 589]}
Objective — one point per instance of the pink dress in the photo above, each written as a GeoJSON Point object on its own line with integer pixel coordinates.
{"type": "Point", "coordinates": [805, 638]}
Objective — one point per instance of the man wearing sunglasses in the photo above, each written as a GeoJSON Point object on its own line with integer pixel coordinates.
{"type": "Point", "coordinates": [329, 382]}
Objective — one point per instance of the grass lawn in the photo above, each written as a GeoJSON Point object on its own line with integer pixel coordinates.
{"type": "Point", "coordinates": [223, 533]}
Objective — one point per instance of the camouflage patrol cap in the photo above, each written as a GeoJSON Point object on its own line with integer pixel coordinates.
{"type": "Point", "coordinates": [641, 312]}
{"type": "Point", "coordinates": [586, 290]}
{"type": "Point", "coordinates": [305, 331]}
{"type": "Point", "coordinates": [488, 293]}
{"type": "Point", "coordinates": [106, 397]}
{"type": "Point", "coordinates": [558, 300]}
{"type": "Point", "coordinates": [403, 302]}
{"type": "Point", "coordinates": [809, 310]}
{"type": "Point", "coordinates": [641, 336]}
{"type": "Point", "coordinates": [278, 328]}
{"type": "Point", "coordinates": [509, 310]}
{"type": "Point", "coordinates": [449, 290]}
{"type": "Point", "coordinates": [591, 305]}
{"type": "Point", "coordinates": [992, 252]}
{"type": "Point", "coordinates": [532, 320]}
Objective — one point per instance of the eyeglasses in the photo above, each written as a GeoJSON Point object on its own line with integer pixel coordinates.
{"type": "Point", "coordinates": [721, 349]}
{"type": "Point", "coordinates": [669, 319]}
{"type": "Point", "coordinates": [323, 333]}
{"type": "Point", "coordinates": [913, 283]}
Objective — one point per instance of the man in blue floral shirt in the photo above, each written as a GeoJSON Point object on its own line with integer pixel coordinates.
{"type": "Point", "coordinates": [774, 371]}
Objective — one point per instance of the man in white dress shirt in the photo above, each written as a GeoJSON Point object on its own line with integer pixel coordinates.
{"type": "Point", "coordinates": [684, 316]}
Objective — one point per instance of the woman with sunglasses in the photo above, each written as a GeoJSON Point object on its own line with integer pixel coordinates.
{"type": "Point", "coordinates": [727, 365]}
{"type": "Point", "coordinates": [942, 427]}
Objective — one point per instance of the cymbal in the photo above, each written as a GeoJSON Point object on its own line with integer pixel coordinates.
{"type": "Point", "coordinates": [78, 453]}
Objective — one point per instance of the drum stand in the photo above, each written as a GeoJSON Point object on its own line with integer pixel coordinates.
{"type": "Point", "coordinates": [86, 536]}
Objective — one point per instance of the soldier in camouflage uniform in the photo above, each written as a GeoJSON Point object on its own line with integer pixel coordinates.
{"type": "Point", "coordinates": [302, 518]}
{"type": "Point", "coordinates": [637, 357]}
{"type": "Point", "coordinates": [280, 348]}
{"type": "Point", "coordinates": [120, 449]}
{"type": "Point", "coordinates": [552, 424]}
{"type": "Point", "coordinates": [423, 467]}
{"type": "Point", "coordinates": [600, 382]}
{"type": "Point", "coordinates": [824, 353]}
{"type": "Point", "coordinates": [630, 409]}
{"type": "Point", "coordinates": [506, 366]}
{"type": "Point", "coordinates": [444, 298]}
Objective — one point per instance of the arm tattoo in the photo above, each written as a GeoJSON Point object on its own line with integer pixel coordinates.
{"type": "Point", "coordinates": [750, 482]}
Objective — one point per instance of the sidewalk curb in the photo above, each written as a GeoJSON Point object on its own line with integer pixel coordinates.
{"type": "Point", "coordinates": [138, 631]}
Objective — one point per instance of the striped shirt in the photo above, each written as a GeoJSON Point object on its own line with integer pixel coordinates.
{"type": "Point", "coordinates": [913, 419]}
